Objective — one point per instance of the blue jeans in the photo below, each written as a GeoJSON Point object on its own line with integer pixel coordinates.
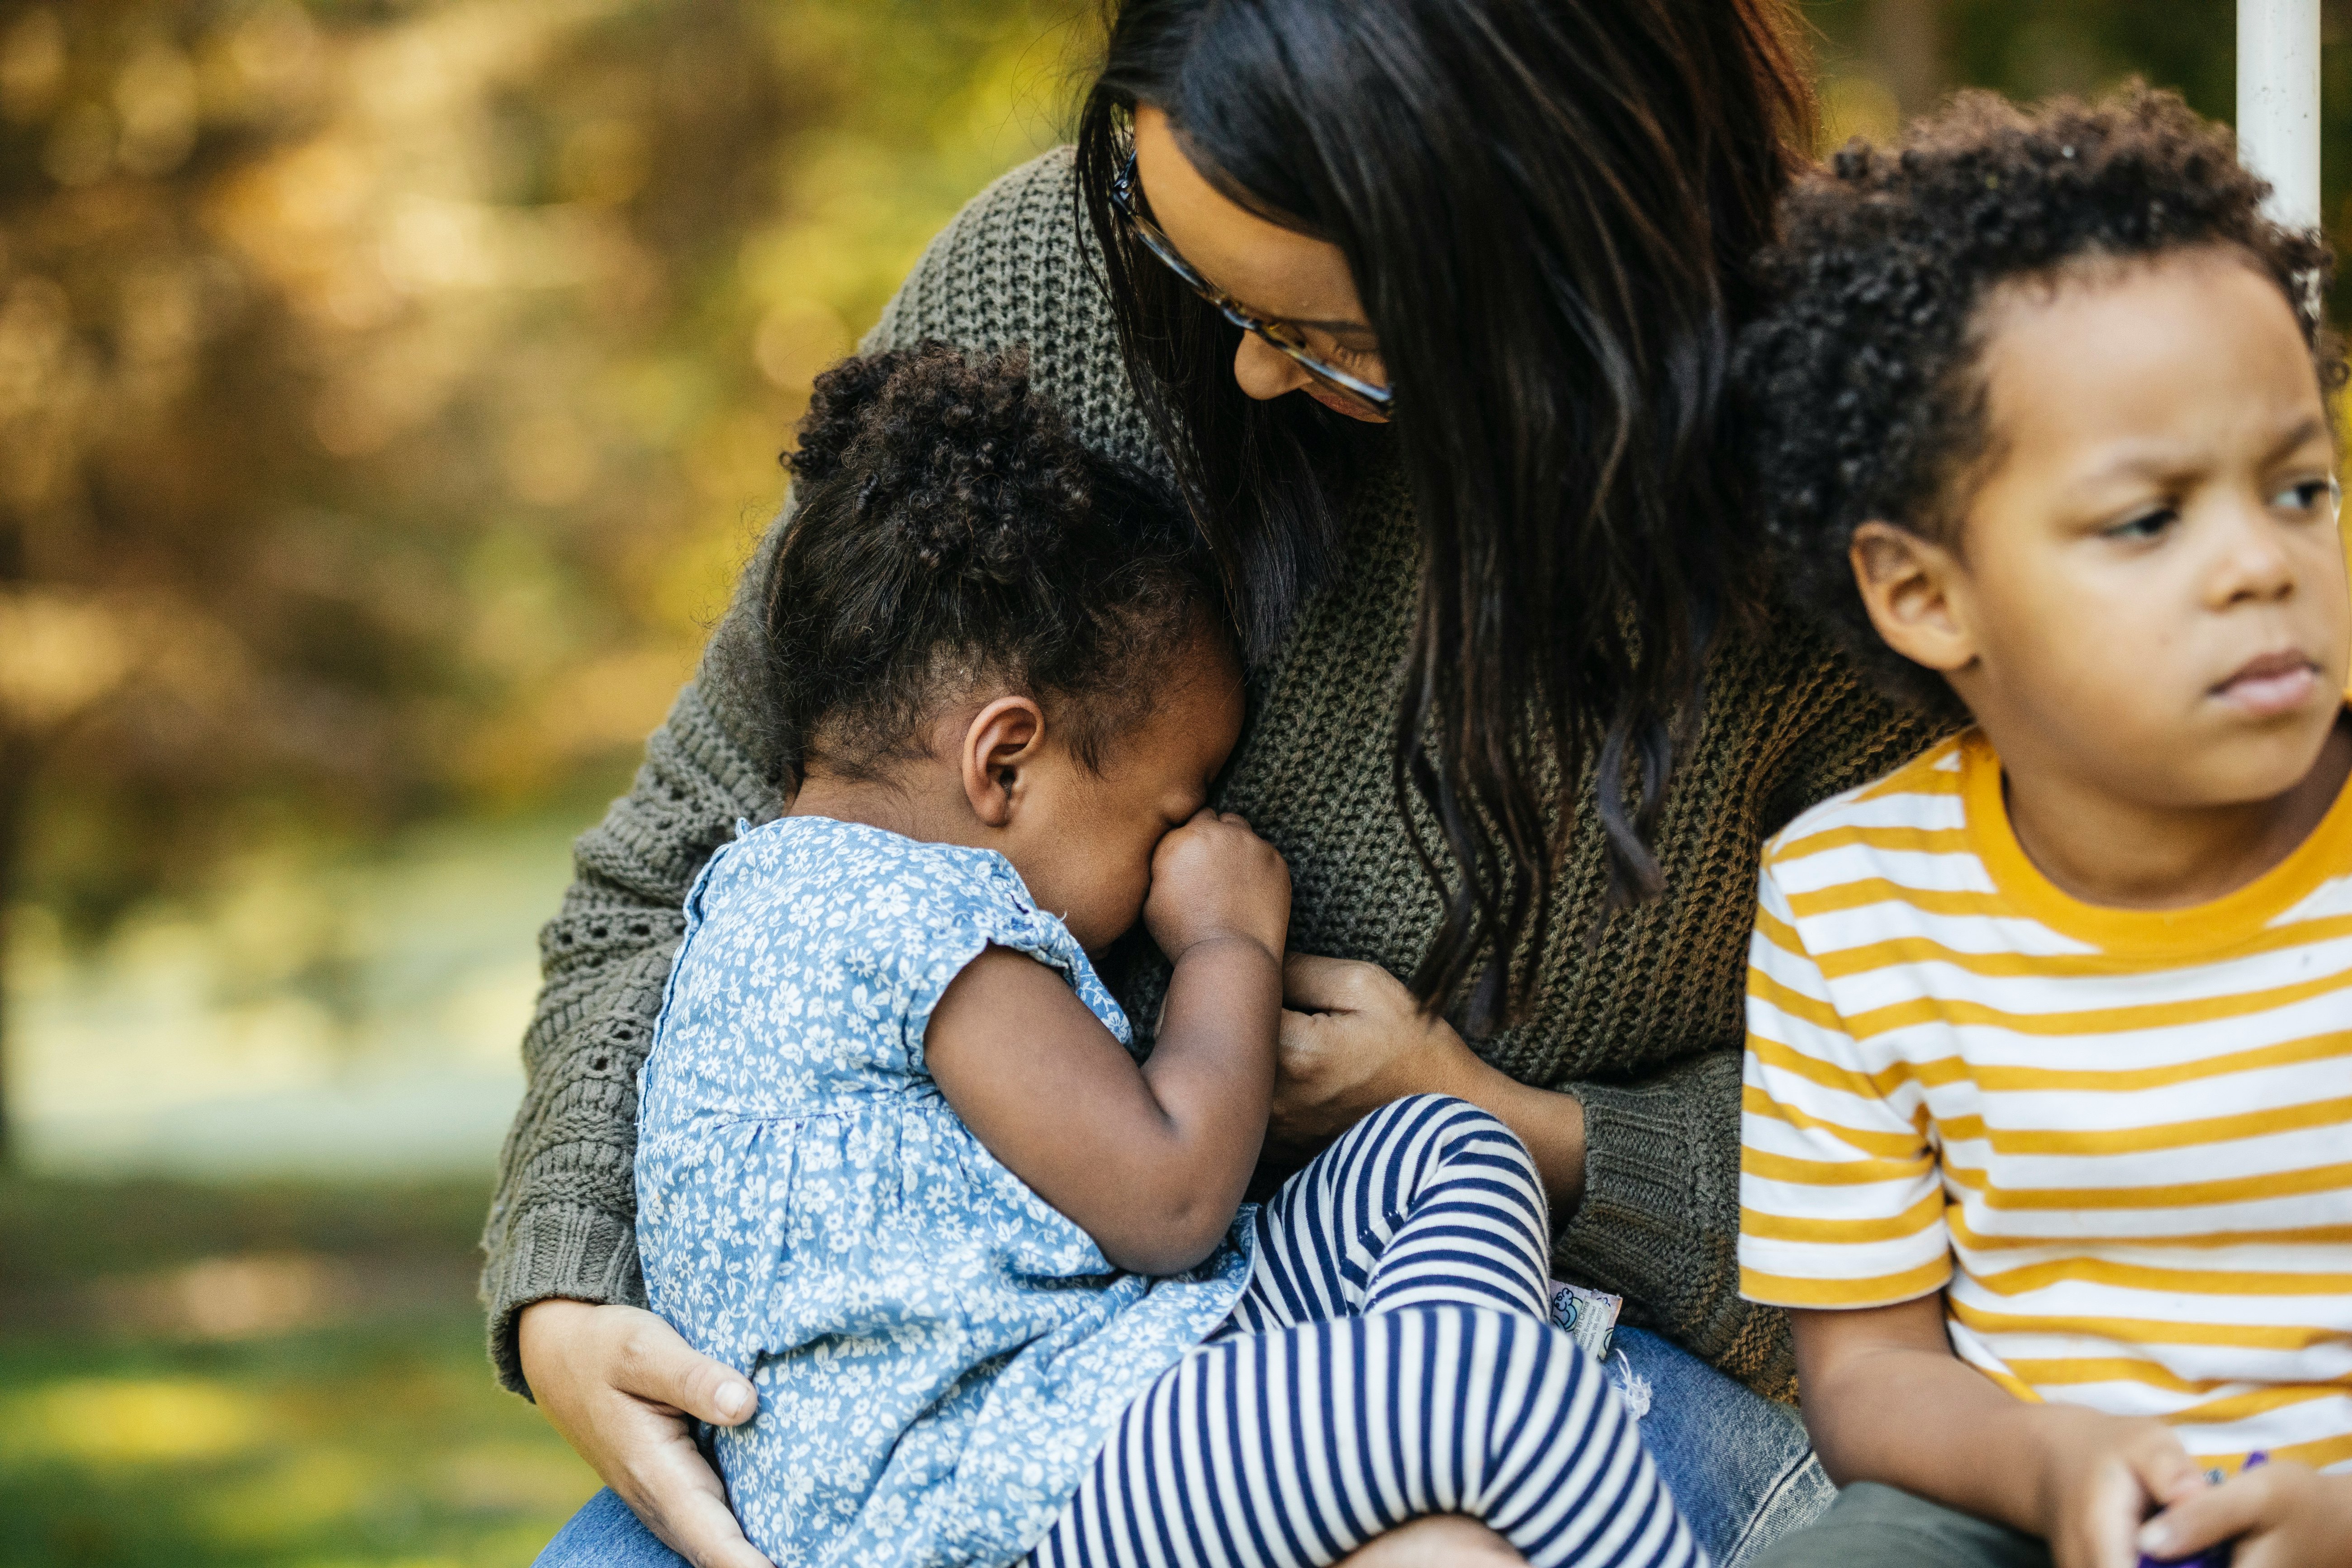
{"type": "Point", "coordinates": [1738, 1465]}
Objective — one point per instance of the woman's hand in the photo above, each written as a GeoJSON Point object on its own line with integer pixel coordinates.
{"type": "Point", "coordinates": [1353, 1039]}
{"type": "Point", "coordinates": [618, 1383]}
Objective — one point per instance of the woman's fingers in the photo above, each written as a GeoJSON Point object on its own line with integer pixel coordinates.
{"type": "Point", "coordinates": [654, 1363]}
{"type": "Point", "coordinates": [1353, 1038]}
{"type": "Point", "coordinates": [1315, 985]}
{"type": "Point", "coordinates": [707, 1536]}
{"type": "Point", "coordinates": [669, 1484]}
{"type": "Point", "coordinates": [617, 1383]}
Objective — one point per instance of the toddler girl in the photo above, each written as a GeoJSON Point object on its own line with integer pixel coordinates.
{"type": "Point", "coordinates": [990, 1274]}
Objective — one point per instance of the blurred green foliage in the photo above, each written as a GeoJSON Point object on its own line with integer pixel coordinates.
{"type": "Point", "coordinates": [267, 1377]}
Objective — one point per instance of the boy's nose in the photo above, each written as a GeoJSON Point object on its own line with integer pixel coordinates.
{"type": "Point", "coordinates": [2257, 559]}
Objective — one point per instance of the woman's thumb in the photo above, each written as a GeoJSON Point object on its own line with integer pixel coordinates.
{"type": "Point", "coordinates": [660, 1365]}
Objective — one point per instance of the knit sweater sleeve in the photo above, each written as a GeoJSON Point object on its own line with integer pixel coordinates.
{"type": "Point", "coordinates": [1659, 1222]}
{"type": "Point", "coordinates": [1009, 271]}
{"type": "Point", "coordinates": [1660, 1219]}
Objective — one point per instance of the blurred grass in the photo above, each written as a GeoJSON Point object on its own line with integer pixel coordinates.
{"type": "Point", "coordinates": [277, 1375]}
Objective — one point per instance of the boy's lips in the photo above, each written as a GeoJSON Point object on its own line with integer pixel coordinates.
{"type": "Point", "coordinates": [2274, 684]}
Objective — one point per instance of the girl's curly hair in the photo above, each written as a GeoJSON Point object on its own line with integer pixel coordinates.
{"type": "Point", "coordinates": [1862, 384]}
{"type": "Point", "coordinates": [950, 529]}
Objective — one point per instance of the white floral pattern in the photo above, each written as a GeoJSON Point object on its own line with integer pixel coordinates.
{"type": "Point", "coordinates": [938, 1352]}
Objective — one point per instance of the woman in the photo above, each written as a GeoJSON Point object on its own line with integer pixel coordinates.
{"type": "Point", "coordinates": [1427, 305]}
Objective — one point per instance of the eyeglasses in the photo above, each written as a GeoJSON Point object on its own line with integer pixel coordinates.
{"type": "Point", "coordinates": [1283, 336]}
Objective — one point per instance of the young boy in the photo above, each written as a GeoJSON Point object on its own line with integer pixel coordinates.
{"type": "Point", "coordinates": [2050, 1054]}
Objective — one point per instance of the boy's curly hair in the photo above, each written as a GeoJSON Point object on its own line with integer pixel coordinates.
{"type": "Point", "coordinates": [1861, 379]}
{"type": "Point", "coordinates": [951, 530]}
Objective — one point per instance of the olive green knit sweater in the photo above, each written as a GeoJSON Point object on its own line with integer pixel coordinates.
{"type": "Point", "coordinates": [1644, 1028]}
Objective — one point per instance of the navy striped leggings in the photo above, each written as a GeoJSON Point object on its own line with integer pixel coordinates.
{"type": "Point", "coordinates": [1394, 1356]}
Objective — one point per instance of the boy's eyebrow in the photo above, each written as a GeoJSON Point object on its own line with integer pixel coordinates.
{"type": "Point", "coordinates": [2310, 427]}
{"type": "Point", "coordinates": [2146, 459]}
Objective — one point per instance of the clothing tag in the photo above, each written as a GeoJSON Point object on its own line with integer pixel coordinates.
{"type": "Point", "coordinates": [1589, 1316]}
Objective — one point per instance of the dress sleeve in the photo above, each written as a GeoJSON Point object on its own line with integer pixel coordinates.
{"type": "Point", "coordinates": [1841, 1205]}
{"type": "Point", "coordinates": [1011, 269]}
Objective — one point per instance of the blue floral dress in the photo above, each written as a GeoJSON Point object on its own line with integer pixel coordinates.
{"type": "Point", "coordinates": [938, 1352]}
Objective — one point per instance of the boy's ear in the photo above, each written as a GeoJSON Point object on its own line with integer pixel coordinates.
{"type": "Point", "coordinates": [1910, 586]}
{"type": "Point", "coordinates": [999, 745]}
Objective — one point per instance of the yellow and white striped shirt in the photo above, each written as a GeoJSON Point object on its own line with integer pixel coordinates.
{"type": "Point", "coordinates": [2122, 1138]}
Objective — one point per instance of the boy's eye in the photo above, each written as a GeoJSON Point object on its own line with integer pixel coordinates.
{"type": "Point", "coordinates": [2145, 525]}
{"type": "Point", "coordinates": [2309, 497]}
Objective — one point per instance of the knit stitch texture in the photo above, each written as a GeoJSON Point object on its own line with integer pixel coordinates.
{"type": "Point", "coordinates": [1643, 1025]}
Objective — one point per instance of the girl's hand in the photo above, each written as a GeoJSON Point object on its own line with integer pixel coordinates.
{"type": "Point", "coordinates": [2282, 1515]}
{"type": "Point", "coordinates": [618, 1383]}
{"type": "Point", "coordinates": [1215, 877]}
{"type": "Point", "coordinates": [1352, 1040]}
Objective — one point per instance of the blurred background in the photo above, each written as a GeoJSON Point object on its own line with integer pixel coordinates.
{"type": "Point", "coordinates": [389, 391]}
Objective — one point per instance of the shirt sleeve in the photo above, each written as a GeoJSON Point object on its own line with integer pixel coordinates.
{"type": "Point", "coordinates": [1839, 1200]}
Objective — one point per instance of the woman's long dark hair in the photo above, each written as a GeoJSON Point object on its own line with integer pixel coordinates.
{"type": "Point", "coordinates": [1549, 207]}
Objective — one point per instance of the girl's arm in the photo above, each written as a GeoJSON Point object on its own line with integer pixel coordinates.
{"type": "Point", "coordinates": [1149, 1160]}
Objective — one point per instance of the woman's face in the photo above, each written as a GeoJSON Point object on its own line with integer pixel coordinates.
{"type": "Point", "coordinates": [1274, 270]}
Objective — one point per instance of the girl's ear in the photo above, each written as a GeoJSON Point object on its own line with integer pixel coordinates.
{"type": "Point", "coordinates": [1910, 586]}
{"type": "Point", "coordinates": [1002, 742]}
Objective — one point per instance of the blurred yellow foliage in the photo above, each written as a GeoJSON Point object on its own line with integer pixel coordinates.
{"type": "Point", "coordinates": [129, 1421]}
{"type": "Point", "coordinates": [389, 394]}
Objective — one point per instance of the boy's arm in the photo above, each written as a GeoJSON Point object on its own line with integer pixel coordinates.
{"type": "Point", "coordinates": [1842, 1221]}
{"type": "Point", "coordinates": [1887, 1400]}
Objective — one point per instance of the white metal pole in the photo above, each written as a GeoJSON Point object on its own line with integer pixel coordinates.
{"type": "Point", "coordinates": [2278, 102]}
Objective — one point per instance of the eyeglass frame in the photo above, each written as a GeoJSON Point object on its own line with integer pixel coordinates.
{"type": "Point", "coordinates": [1379, 399]}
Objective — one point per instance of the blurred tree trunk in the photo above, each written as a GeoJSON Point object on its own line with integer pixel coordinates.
{"type": "Point", "coordinates": [1905, 49]}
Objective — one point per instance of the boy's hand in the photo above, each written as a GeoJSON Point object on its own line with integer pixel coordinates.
{"type": "Point", "coordinates": [2282, 1515]}
{"type": "Point", "coordinates": [2102, 1476]}
{"type": "Point", "coordinates": [1215, 877]}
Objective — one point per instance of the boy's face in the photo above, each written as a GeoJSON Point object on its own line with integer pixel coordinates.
{"type": "Point", "coordinates": [2147, 591]}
